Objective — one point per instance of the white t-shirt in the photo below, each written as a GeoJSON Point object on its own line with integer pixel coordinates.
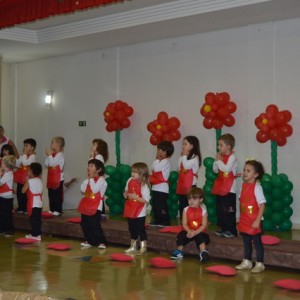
{"type": "Point", "coordinates": [164, 167]}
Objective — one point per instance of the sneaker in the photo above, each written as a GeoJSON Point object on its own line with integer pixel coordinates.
{"type": "Point", "coordinates": [56, 213]}
{"type": "Point", "coordinates": [103, 217]}
{"type": "Point", "coordinates": [227, 234]}
{"type": "Point", "coordinates": [20, 211]}
{"type": "Point", "coordinates": [219, 233]}
{"type": "Point", "coordinates": [85, 245]}
{"type": "Point", "coordinates": [244, 265]}
{"type": "Point", "coordinates": [8, 234]}
{"type": "Point", "coordinates": [102, 246]}
{"type": "Point", "coordinates": [259, 267]}
{"type": "Point", "coordinates": [204, 256]}
{"type": "Point", "coordinates": [177, 254]}
{"type": "Point", "coordinates": [29, 236]}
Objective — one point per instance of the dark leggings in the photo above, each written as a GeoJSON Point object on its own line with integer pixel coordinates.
{"type": "Point", "coordinates": [256, 239]}
{"type": "Point", "coordinates": [137, 228]}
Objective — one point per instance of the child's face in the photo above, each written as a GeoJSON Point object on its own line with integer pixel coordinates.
{"type": "Point", "coordinates": [223, 148]}
{"type": "Point", "coordinates": [28, 149]}
{"type": "Point", "coordinates": [194, 201]}
{"type": "Point", "coordinates": [5, 152]}
{"type": "Point", "coordinates": [94, 148]}
{"type": "Point", "coordinates": [135, 174]}
{"type": "Point", "coordinates": [249, 174]}
{"type": "Point", "coordinates": [160, 154]}
{"type": "Point", "coordinates": [92, 171]}
{"type": "Point", "coordinates": [186, 146]}
{"type": "Point", "coordinates": [55, 146]}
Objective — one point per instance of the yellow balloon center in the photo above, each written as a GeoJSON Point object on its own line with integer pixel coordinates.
{"type": "Point", "coordinates": [265, 121]}
{"type": "Point", "coordinates": [158, 126]}
{"type": "Point", "coordinates": [207, 108]}
{"type": "Point", "coordinates": [107, 114]}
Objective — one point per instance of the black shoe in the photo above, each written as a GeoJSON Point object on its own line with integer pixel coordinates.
{"type": "Point", "coordinates": [204, 256]}
{"type": "Point", "coordinates": [219, 233]}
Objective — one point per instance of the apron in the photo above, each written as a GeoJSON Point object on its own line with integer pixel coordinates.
{"type": "Point", "coordinates": [133, 208]}
{"type": "Point", "coordinates": [21, 174]}
{"type": "Point", "coordinates": [157, 178]}
{"type": "Point", "coordinates": [185, 181]}
{"type": "Point", "coordinates": [30, 197]}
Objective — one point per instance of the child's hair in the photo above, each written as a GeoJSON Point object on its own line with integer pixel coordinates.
{"type": "Point", "coordinates": [9, 161]}
{"type": "Point", "coordinates": [8, 148]}
{"type": "Point", "coordinates": [60, 140]}
{"type": "Point", "coordinates": [143, 171]}
{"type": "Point", "coordinates": [228, 139]}
{"type": "Point", "coordinates": [31, 142]}
{"type": "Point", "coordinates": [101, 148]}
{"type": "Point", "coordinates": [166, 146]}
{"type": "Point", "coordinates": [36, 169]}
{"type": "Point", "coordinates": [258, 168]}
{"type": "Point", "coordinates": [195, 192]}
{"type": "Point", "coordinates": [193, 140]}
{"type": "Point", "coordinates": [98, 164]}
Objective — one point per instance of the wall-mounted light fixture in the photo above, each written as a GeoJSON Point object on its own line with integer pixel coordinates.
{"type": "Point", "coordinates": [49, 98]}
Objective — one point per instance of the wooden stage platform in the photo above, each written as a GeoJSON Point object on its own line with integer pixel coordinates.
{"type": "Point", "coordinates": [285, 254]}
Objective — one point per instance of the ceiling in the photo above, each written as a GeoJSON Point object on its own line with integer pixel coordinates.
{"type": "Point", "coordinates": [135, 21]}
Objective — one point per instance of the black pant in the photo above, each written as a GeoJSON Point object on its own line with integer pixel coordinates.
{"type": "Point", "coordinates": [137, 228]}
{"type": "Point", "coordinates": [199, 239]}
{"type": "Point", "coordinates": [36, 221]}
{"type": "Point", "coordinates": [226, 212]}
{"type": "Point", "coordinates": [256, 239]}
{"type": "Point", "coordinates": [160, 208]}
{"type": "Point", "coordinates": [22, 198]}
{"type": "Point", "coordinates": [56, 197]}
{"type": "Point", "coordinates": [6, 215]}
{"type": "Point", "coordinates": [92, 229]}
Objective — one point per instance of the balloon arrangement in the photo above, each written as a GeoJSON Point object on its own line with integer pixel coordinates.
{"type": "Point", "coordinates": [217, 110]}
{"type": "Point", "coordinates": [164, 129]}
{"type": "Point", "coordinates": [116, 182]}
{"type": "Point", "coordinates": [116, 115]}
{"type": "Point", "coordinates": [273, 125]}
{"type": "Point", "coordinates": [173, 199]}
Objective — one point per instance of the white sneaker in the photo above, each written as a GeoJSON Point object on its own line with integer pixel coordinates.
{"type": "Point", "coordinates": [85, 245]}
{"type": "Point", "coordinates": [244, 265]}
{"type": "Point", "coordinates": [30, 236]}
{"type": "Point", "coordinates": [259, 267]}
{"type": "Point", "coordinates": [102, 246]}
{"type": "Point", "coordinates": [56, 213]}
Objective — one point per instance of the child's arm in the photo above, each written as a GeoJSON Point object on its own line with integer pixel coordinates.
{"type": "Point", "coordinates": [190, 163]}
{"type": "Point", "coordinates": [70, 182]}
{"type": "Point", "coordinates": [25, 187]}
{"type": "Point", "coordinates": [261, 210]}
{"type": "Point", "coordinates": [229, 167]}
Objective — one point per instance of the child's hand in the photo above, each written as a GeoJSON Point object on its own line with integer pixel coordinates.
{"type": "Point", "coordinates": [48, 151]}
{"type": "Point", "coordinates": [256, 224]}
{"type": "Point", "coordinates": [131, 196]}
{"type": "Point", "coordinates": [190, 234]}
{"type": "Point", "coordinates": [125, 195]}
{"type": "Point", "coordinates": [218, 156]}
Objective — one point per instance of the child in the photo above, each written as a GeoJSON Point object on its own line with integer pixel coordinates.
{"type": "Point", "coordinates": [6, 150]}
{"type": "Point", "coordinates": [94, 187]}
{"type": "Point", "coordinates": [6, 195]}
{"type": "Point", "coordinates": [33, 187]}
{"type": "Point", "coordinates": [225, 186]}
{"type": "Point", "coordinates": [159, 180]}
{"type": "Point", "coordinates": [21, 174]}
{"type": "Point", "coordinates": [188, 164]}
{"type": "Point", "coordinates": [6, 141]}
{"type": "Point", "coordinates": [137, 193]}
{"type": "Point", "coordinates": [252, 205]}
{"type": "Point", "coordinates": [55, 162]}
{"type": "Point", "coordinates": [99, 150]}
{"type": "Point", "coordinates": [194, 222]}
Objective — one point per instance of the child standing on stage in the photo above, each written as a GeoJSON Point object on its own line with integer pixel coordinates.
{"type": "Point", "coordinates": [194, 222]}
{"type": "Point", "coordinates": [21, 174]}
{"type": "Point", "coordinates": [252, 206]}
{"type": "Point", "coordinates": [93, 187]}
{"type": "Point", "coordinates": [188, 165]}
{"type": "Point", "coordinates": [137, 195]}
{"type": "Point", "coordinates": [55, 181]}
{"type": "Point", "coordinates": [225, 186]}
{"type": "Point", "coordinates": [33, 188]}
{"type": "Point", "coordinates": [6, 195]}
{"type": "Point", "coordinates": [160, 186]}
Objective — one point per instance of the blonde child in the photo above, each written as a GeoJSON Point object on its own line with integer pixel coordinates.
{"type": "Point", "coordinates": [55, 163]}
{"type": "Point", "coordinates": [33, 188]}
{"type": "Point", "coordinates": [194, 222]}
{"type": "Point", "coordinates": [21, 174]}
{"type": "Point", "coordinates": [225, 186]}
{"type": "Point", "coordinates": [137, 195]}
{"type": "Point", "coordinates": [6, 195]}
{"type": "Point", "coordinates": [93, 187]}
{"type": "Point", "coordinates": [252, 206]}
{"type": "Point", "coordinates": [159, 181]}
{"type": "Point", "coordinates": [188, 166]}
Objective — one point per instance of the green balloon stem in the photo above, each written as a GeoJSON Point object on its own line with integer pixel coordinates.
{"type": "Point", "coordinates": [274, 157]}
{"type": "Point", "coordinates": [218, 134]}
{"type": "Point", "coordinates": [118, 147]}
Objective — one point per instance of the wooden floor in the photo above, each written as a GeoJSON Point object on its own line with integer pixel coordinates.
{"type": "Point", "coordinates": [285, 254]}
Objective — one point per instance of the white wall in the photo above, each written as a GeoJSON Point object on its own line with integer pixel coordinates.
{"type": "Point", "coordinates": [258, 65]}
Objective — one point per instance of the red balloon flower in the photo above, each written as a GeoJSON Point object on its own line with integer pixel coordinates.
{"type": "Point", "coordinates": [164, 129]}
{"type": "Point", "coordinates": [116, 115]}
{"type": "Point", "coordinates": [273, 125]}
{"type": "Point", "coordinates": [217, 110]}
